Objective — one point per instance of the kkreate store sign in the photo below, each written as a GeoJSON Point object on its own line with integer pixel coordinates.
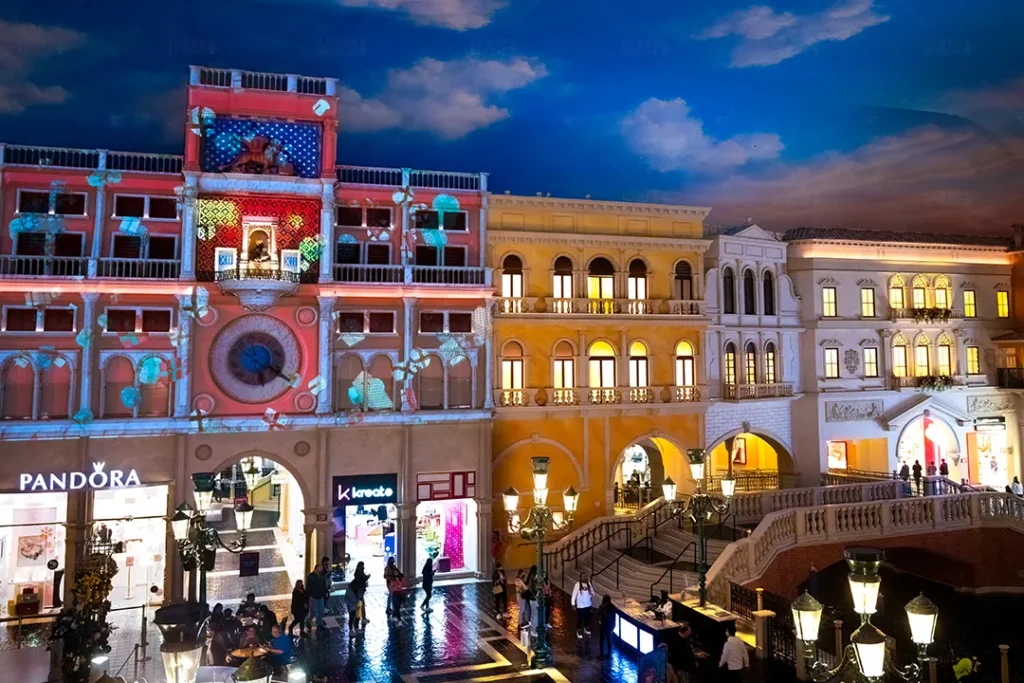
{"type": "Point", "coordinates": [73, 481]}
{"type": "Point", "coordinates": [367, 489]}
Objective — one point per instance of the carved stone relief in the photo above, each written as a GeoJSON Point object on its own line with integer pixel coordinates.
{"type": "Point", "coordinates": [852, 360]}
{"type": "Point", "coordinates": [990, 404]}
{"type": "Point", "coordinates": [851, 411]}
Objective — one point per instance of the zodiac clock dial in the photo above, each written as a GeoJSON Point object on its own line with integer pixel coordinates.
{"type": "Point", "coordinates": [255, 358]}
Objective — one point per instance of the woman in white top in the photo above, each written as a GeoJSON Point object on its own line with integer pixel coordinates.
{"type": "Point", "coordinates": [583, 600]}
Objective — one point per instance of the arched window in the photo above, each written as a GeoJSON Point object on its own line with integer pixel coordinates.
{"type": "Point", "coordinates": [155, 392]}
{"type": "Point", "coordinates": [921, 356]}
{"type": "Point", "coordinates": [749, 295]}
{"type": "Point", "coordinates": [730, 364]}
{"type": "Point", "coordinates": [564, 369]}
{"type": "Point", "coordinates": [55, 391]}
{"type": "Point", "coordinates": [460, 383]}
{"type": "Point", "coordinates": [896, 286]}
{"type": "Point", "coordinates": [684, 281]}
{"type": "Point", "coordinates": [118, 381]}
{"type": "Point", "coordinates": [638, 364]}
{"type": "Point", "coordinates": [945, 355]}
{"type": "Point", "coordinates": [636, 287]}
{"type": "Point", "coordinates": [684, 364]}
{"type": "Point", "coordinates": [430, 380]}
{"type": "Point", "coordinates": [601, 365]}
{"type": "Point", "coordinates": [728, 291]}
{"type": "Point", "coordinates": [349, 368]}
{"type": "Point", "coordinates": [750, 363]}
{"type": "Point", "coordinates": [919, 287]}
{"type": "Point", "coordinates": [601, 286]}
{"type": "Point", "coordinates": [19, 380]}
{"type": "Point", "coordinates": [943, 295]}
{"type": "Point", "coordinates": [899, 356]}
{"type": "Point", "coordinates": [512, 366]}
{"type": "Point", "coordinates": [562, 288]}
{"type": "Point", "coordinates": [769, 363]}
{"type": "Point", "coordinates": [511, 284]}
{"type": "Point", "coordinates": [769, 293]}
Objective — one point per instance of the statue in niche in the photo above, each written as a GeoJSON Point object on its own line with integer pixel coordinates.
{"type": "Point", "coordinates": [261, 156]}
{"type": "Point", "coordinates": [258, 251]}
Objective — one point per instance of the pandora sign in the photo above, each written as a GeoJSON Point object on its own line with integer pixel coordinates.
{"type": "Point", "coordinates": [72, 481]}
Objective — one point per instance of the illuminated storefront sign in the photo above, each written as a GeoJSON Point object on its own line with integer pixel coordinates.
{"type": "Point", "coordinates": [370, 489]}
{"type": "Point", "coordinates": [990, 424]}
{"type": "Point", "coordinates": [73, 481]}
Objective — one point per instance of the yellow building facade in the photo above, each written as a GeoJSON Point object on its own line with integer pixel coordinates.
{"type": "Point", "coordinates": [598, 334]}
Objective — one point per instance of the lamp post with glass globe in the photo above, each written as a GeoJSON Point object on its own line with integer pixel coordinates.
{"type": "Point", "coordinates": [699, 509]}
{"type": "Point", "coordinates": [867, 649]}
{"type": "Point", "coordinates": [197, 541]}
{"type": "Point", "coordinates": [539, 520]}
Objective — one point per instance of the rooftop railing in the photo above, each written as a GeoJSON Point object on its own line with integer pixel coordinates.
{"type": "Point", "coordinates": [90, 159]}
{"type": "Point", "coordinates": [260, 80]}
{"type": "Point", "coordinates": [393, 177]}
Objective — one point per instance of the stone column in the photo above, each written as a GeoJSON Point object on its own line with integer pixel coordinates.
{"type": "Point", "coordinates": [77, 527]}
{"type": "Point", "coordinates": [484, 506]}
{"type": "Point", "coordinates": [99, 218]}
{"type": "Point", "coordinates": [89, 349]}
{"type": "Point", "coordinates": [188, 196]}
{"type": "Point", "coordinates": [406, 227]}
{"type": "Point", "coordinates": [407, 347]}
{"type": "Point", "coordinates": [489, 352]}
{"type": "Point", "coordinates": [483, 220]}
{"type": "Point", "coordinates": [325, 399]}
{"type": "Point", "coordinates": [183, 381]}
{"type": "Point", "coordinates": [327, 232]}
{"type": "Point", "coordinates": [405, 537]}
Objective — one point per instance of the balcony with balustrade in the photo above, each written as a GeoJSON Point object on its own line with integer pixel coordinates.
{"type": "Point", "coordinates": [79, 267]}
{"type": "Point", "coordinates": [665, 308]}
{"type": "Point", "coordinates": [744, 392]}
{"type": "Point", "coordinates": [549, 397]}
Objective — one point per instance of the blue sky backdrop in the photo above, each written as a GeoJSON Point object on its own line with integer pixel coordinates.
{"type": "Point", "coordinates": [860, 113]}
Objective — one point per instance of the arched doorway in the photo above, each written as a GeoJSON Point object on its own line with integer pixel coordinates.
{"type": "Point", "coordinates": [757, 461]}
{"type": "Point", "coordinates": [930, 441]}
{"type": "Point", "coordinates": [642, 468]}
{"type": "Point", "coordinates": [276, 536]}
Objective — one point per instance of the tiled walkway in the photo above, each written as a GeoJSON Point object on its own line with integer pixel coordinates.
{"type": "Point", "coordinates": [460, 640]}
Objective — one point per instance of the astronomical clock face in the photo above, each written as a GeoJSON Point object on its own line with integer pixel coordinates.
{"type": "Point", "coordinates": [254, 358]}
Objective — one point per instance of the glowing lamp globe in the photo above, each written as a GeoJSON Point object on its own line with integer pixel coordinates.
{"type": "Point", "coordinates": [243, 517]}
{"type": "Point", "coordinates": [252, 475]}
{"type": "Point", "coordinates": [570, 499]}
{"type": "Point", "coordinates": [203, 483]}
{"type": "Point", "coordinates": [806, 617]}
{"type": "Point", "coordinates": [181, 661]}
{"type": "Point", "coordinates": [540, 472]}
{"type": "Point", "coordinates": [696, 458]}
{"type": "Point", "coordinates": [922, 615]}
{"type": "Point", "coordinates": [511, 499]}
{"type": "Point", "coordinates": [668, 489]}
{"type": "Point", "coordinates": [864, 590]}
{"type": "Point", "coordinates": [869, 644]}
{"type": "Point", "coordinates": [540, 497]}
{"type": "Point", "coordinates": [728, 486]}
{"type": "Point", "coordinates": [179, 524]}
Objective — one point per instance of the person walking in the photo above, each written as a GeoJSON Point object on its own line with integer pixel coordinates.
{"type": "Point", "coordinates": [583, 600]}
{"type": "Point", "coordinates": [944, 469]}
{"type": "Point", "coordinates": [524, 595]}
{"type": "Point", "coordinates": [316, 589]}
{"type": "Point", "coordinates": [354, 604]}
{"type": "Point", "coordinates": [390, 572]}
{"type": "Point", "coordinates": [396, 589]}
{"type": "Point", "coordinates": [533, 582]}
{"type": "Point", "coordinates": [905, 472]}
{"type": "Point", "coordinates": [734, 656]}
{"type": "Point", "coordinates": [606, 614]}
{"type": "Point", "coordinates": [428, 584]}
{"type": "Point", "coordinates": [917, 475]}
{"type": "Point", "coordinates": [681, 654]}
{"type": "Point", "coordinates": [500, 591]}
{"type": "Point", "coordinates": [300, 609]}
{"type": "Point", "coordinates": [1016, 487]}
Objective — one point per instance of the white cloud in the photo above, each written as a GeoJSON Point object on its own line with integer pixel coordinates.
{"type": "Point", "coordinates": [928, 178]}
{"type": "Point", "coordinates": [460, 15]}
{"type": "Point", "coordinates": [22, 47]}
{"type": "Point", "coordinates": [670, 139]}
{"type": "Point", "coordinates": [445, 98]}
{"type": "Point", "coordinates": [767, 37]}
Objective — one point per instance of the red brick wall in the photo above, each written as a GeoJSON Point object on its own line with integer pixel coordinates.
{"type": "Point", "coordinates": [977, 558]}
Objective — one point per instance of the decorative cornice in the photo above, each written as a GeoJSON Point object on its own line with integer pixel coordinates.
{"type": "Point", "coordinates": [868, 342]}
{"type": "Point", "coordinates": [261, 184]}
{"type": "Point", "coordinates": [592, 206]}
{"type": "Point", "coordinates": [829, 342]}
{"type": "Point", "coordinates": [867, 283]}
{"type": "Point", "coordinates": [504, 237]}
{"type": "Point", "coordinates": [827, 281]}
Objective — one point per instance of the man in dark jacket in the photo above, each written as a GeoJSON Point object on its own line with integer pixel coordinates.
{"type": "Point", "coordinates": [316, 587]}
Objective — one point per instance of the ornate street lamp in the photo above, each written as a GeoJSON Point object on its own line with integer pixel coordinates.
{"type": "Point", "coordinates": [252, 475]}
{"type": "Point", "coordinates": [699, 509]}
{"type": "Point", "coordinates": [540, 519]}
{"type": "Point", "coordinates": [867, 644]}
{"type": "Point", "coordinates": [197, 541]}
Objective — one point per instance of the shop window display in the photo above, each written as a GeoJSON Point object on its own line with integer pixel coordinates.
{"type": "Point", "coordinates": [32, 533]}
{"type": "Point", "coordinates": [133, 520]}
{"type": "Point", "coordinates": [446, 532]}
{"type": "Point", "coordinates": [365, 533]}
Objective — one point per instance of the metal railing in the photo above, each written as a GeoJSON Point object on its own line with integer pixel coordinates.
{"type": "Point", "coordinates": [671, 569]}
{"type": "Point", "coordinates": [260, 80]}
{"type": "Point", "coordinates": [1010, 378]}
{"type": "Point", "coordinates": [369, 274]}
{"type": "Point", "coordinates": [448, 275]}
{"type": "Point", "coordinates": [46, 266]}
{"type": "Point", "coordinates": [156, 269]}
{"type": "Point", "coordinates": [852, 476]}
{"type": "Point", "coordinates": [632, 497]}
{"type": "Point", "coordinates": [393, 177]}
{"type": "Point", "coordinates": [617, 562]}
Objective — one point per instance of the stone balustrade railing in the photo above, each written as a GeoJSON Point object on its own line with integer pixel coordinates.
{"type": "Point", "coordinates": [748, 559]}
{"type": "Point", "coordinates": [754, 506]}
